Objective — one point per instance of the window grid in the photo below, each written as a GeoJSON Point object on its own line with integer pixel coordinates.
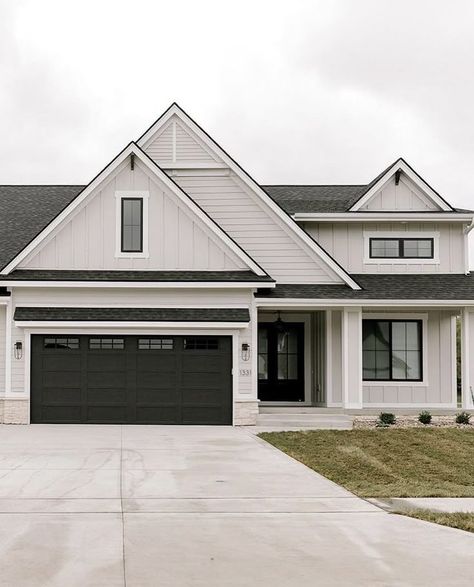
{"type": "Point", "coordinates": [401, 248]}
{"type": "Point", "coordinates": [106, 344]}
{"type": "Point", "coordinates": [61, 343]}
{"type": "Point", "coordinates": [132, 225]}
{"type": "Point", "coordinates": [155, 344]}
{"type": "Point", "coordinates": [389, 356]}
{"type": "Point", "coordinates": [201, 344]}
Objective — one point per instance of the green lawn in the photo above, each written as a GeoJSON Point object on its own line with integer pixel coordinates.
{"type": "Point", "coordinates": [436, 462]}
{"type": "Point", "coordinates": [460, 520]}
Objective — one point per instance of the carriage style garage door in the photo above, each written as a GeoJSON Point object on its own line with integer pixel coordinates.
{"type": "Point", "coordinates": [131, 379]}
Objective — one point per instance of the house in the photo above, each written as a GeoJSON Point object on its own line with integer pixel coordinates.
{"type": "Point", "coordinates": [175, 289]}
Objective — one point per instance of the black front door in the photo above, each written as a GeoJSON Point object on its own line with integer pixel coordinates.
{"type": "Point", "coordinates": [281, 362]}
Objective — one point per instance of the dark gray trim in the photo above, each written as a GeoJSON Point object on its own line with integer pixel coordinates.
{"type": "Point", "coordinates": [31, 314]}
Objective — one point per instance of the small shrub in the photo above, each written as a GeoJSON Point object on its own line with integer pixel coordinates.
{"type": "Point", "coordinates": [463, 418]}
{"type": "Point", "coordinates": [386, 419]}
{"type": "Point", "coordinates": [424, 417]}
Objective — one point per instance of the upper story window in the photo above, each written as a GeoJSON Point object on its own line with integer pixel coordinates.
{"type": "Point", "coordinates": [132, 225]}
{"type": "Point", "coordinates": [401, 248]}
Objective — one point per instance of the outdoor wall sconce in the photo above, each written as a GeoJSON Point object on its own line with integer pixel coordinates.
{"type": "Point", "coordinates": [245, 351]}
{"type": "Point", "coordinates": [18, 349]}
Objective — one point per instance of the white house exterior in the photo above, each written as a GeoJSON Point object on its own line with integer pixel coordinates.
{"type": "Point", "coordinates": [174, 289]}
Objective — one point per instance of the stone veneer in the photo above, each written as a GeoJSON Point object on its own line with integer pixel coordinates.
{"type": "Point", "coordinates": [245, 413]}
{"type": "Point", "coordinates": [14, 411]}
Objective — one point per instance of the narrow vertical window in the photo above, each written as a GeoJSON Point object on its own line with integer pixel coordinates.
{"type": "Point", "coordinates": [132, 225]}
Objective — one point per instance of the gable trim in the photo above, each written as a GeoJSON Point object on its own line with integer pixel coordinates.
{"type": "Point", "coordinates": [161, 175]}
{"type": "Point", "coordinates": [314, 248]}
{"type": "Point", "coordinates": [401, 165]}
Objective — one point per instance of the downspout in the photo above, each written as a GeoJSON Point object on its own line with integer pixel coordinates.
{"type": "Point", "coordinates": [467, 230]}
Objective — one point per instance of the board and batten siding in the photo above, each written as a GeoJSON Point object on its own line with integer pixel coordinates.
{"type": "Point", "coordinates": [345, 242]}
{"type": "Point", "coordinates": [134, 297]}
{"type": "Point", "coordinates": [405, 196]}
{"type": "Point", "coordinates": [177, 239]}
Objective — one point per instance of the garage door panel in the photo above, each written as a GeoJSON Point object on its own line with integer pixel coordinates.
{"type": "Point", "coordinates": [61, 395]}
{"type": "Point", "coordinates": [149, 380]}
{"type": "Point", "coordinates": [60, 414]}
{"type": "Point", "coordinates": [61, 379]}
{"type": "Point", "coordinates": [105, 362]}
{"type": "Point", "coordinates": [112, 395]}
{"type": "Point", "coordinates": [155, 396]}
{"type": "Point", "coordinates": [61, 362]}
{"type": "Point", "coordinates": [152, 380]}
{"type": "Point", "coordinates": [107, 413]}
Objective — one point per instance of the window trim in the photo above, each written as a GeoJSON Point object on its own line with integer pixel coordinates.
{"type": "Point", "coordinates": [131, 195]}
{"type": "Point", "coordinates": [122, 225]}
{"type": "Point", "coordinates": [401, 235]}
{"type": "Point", "coordinates": [401, 317]}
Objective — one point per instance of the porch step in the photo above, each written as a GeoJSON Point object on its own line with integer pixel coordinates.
{"type": "Point", "coordinates": [304, 420]}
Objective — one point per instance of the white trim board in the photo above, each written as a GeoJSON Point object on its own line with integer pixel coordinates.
{"type": "Point", "coordinates": [123, 324]}
{"type": "Point", "coordinates": [153, 168]}
{"type": "Point", "coordinates": [311, 245]}
{"type": "Point", "coordinates": [141, 284]}
{"type": "Point", "coordinates": [382, 216]}
{"type": "Point", "coordinates": [282, 303]}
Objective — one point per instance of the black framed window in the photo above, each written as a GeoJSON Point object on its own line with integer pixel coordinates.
{"type": "Point", "coordinates": [61, 343]}
{"type": "Point", "coordinates": [109, 344]}
{"type": "Point", "coordinates": [401, 248]}
{"type": "Point", "coordinates": [132, 225]}
{"type": "Point", "coordinates": [201, 344]}
{"type": "Point", "coordinates": [392, 350]}
{"type": "Point", "coordinates": [155, 344]}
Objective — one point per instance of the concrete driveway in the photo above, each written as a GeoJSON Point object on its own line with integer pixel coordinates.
{"type": "Point", "coordinates": [197, 506]}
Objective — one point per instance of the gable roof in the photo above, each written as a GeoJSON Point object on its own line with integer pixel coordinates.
{"type": "Point", "coordinates": [399, 165]}
{"type": "Point", "coordinates": [161, 175]}
{"type": "Point", "coordinates": [313, 247]}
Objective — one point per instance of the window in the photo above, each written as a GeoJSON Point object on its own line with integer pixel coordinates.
{"type": "Point", "coordinates": [200, 344]}
{"type": "Point", "coordinates": [155, 344]}
{"type": "Point", "coordinates": [61, 343]}
{"type": "Point", "coordinates": [106, 344]}
{"type": "Point", "coordinates": [132, 225]}
{"type": "Point", "coordinates": [262, 353]}
{"type": "Point", "coordinates": [392, 350]}
{"type": "Point", "coordinates": [401, 248]}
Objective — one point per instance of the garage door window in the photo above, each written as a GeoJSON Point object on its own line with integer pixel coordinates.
{"type": "Point", "coordinates": [201, 343]}
{"type": "Point", "coordinates": [106, 344]}
{"type": "Point", "coordinates": [61, 343]}
{"type": "Point", "coordinates": [155, 344]}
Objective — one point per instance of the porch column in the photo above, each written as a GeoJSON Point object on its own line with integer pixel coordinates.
{"type": "Point", "coordinates": [352, 357]}
{"type": "Point", "coordinates": [467, 358]}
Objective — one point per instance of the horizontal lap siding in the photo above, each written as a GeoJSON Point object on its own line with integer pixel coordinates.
{"type": "Point", "coordinates": [253, 228]}
{"type": "Point", "coordinates": [345, 241]}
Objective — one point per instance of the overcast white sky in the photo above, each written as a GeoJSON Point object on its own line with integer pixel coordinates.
{"type": "Point", "coordinates": [297, 91]}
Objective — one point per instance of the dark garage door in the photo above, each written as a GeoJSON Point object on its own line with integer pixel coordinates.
{"type": "Point", "coordinates": [131, 379]}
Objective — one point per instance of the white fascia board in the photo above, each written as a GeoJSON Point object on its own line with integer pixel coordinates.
{"type": "Point", "coordinates": [141, 284]}
{"type": "Point", "coordinates": [311, 303]}
{"type": "Point", "coordinates": [122, 324]}
{"type": "Point", "coordinates": [312, 245]}
{"type": "Point", "coordinates": [161, 175]}
{"type": "Point", "coordinates": [382, 216]}
{"type": "Point", "coordinates": [417, 180]}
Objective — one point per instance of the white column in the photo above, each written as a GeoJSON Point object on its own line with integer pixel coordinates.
{"type": "Point", "coordinates": [352, 357]}
{"type": "Point", "coordinates": [467, 362]}
{"type": "Point", "coordinates": [8, 349]}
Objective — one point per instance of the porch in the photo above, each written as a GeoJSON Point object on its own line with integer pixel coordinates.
{"type": "Point", "coordinates": [317, 362]}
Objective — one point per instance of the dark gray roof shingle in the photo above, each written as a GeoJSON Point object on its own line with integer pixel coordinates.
{"type": "Point", "coordinates": [132, 314]}
{"type": "Point", "coordinates": [314, 198]}
{"type": "Point", "coordinates": [25, 210]}
{"type": "Point", "coordinates": [434, 286]}
{"type": "Point", "coordinates": [159, 276]}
